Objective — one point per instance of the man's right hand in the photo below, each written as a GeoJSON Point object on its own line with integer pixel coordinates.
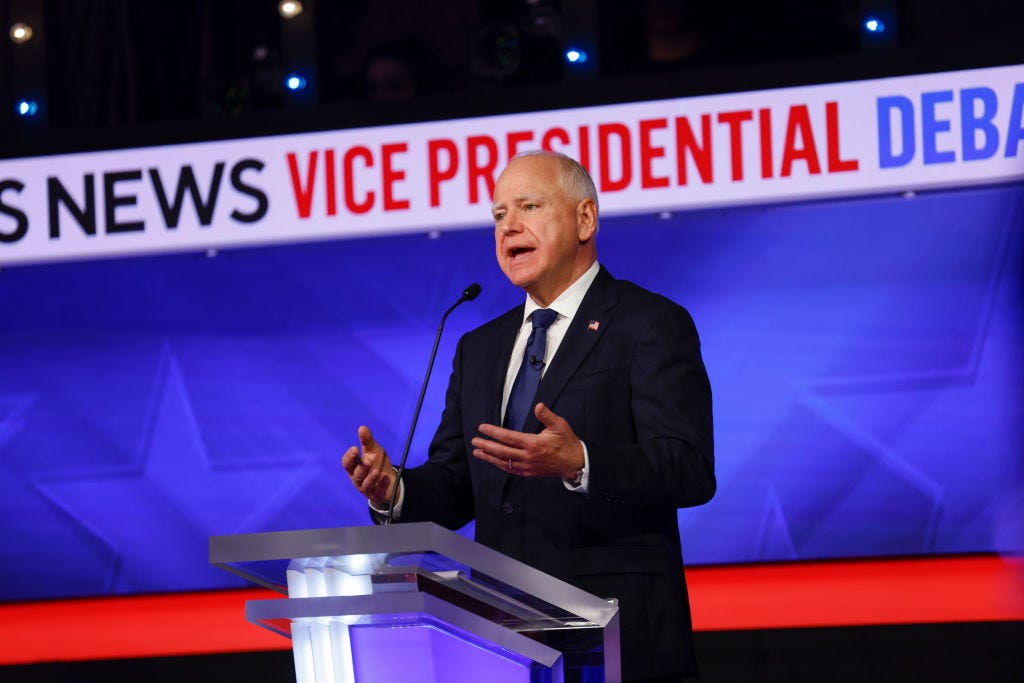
{"type": "Point", "coordinates": [371, 472]}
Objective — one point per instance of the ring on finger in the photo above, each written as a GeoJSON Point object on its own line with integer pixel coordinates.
{"type": "Point", "coordinates": [510, 464]}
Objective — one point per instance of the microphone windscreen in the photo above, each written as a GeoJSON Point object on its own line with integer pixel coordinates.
{"type": "Point", "coordinates": [471, 292]}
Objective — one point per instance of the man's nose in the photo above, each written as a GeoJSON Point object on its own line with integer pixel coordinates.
{"type": "Point", "coordinates": [511, 224]}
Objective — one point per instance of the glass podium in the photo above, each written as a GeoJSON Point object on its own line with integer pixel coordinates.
{"type": "Point", "coordinates": [417, 602]}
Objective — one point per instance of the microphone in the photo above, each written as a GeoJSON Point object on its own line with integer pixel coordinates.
{"type": "Point", "coordinates": [468, 294]}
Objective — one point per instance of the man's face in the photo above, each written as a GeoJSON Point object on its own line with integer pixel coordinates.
{"type": "Point", "coordinates": [542, 239]}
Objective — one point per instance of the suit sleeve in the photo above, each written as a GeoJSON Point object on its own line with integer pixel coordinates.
{"type": "Point", "coordinates": [440, 490]}
{"type": "Point", "coordinates": [672, 461]}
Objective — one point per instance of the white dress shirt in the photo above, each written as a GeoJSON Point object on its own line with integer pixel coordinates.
{"type": "Point", "coordinates": [566, 306]}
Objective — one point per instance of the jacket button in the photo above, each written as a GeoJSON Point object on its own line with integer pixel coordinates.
{"type": "Point", "coordinates": [508, 508]}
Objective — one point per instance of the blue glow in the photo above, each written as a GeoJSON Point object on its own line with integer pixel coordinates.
{"type": "Point", "coordinates": [26, 108]}
{"type": "Point", "coordinates": [575, 56]}
{"type": "Point", "coordinates": [294, 82]}
{"type": "Point", "coordinates": [873, 24]}
{"type": "Point", "coordinates": [856, 347]}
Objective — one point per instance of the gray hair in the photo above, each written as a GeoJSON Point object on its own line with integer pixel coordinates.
{"type": "Point", "coordinates": [573, 177]}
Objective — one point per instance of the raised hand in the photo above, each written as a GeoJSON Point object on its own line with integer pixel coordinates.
{"type": "Point", "coordinates": [371, 470]}
{"type": "Point", "coordinates": [554, 452]}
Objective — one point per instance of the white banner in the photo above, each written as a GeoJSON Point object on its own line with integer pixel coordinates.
{"type": "Point", "coordinates": [886, 135]}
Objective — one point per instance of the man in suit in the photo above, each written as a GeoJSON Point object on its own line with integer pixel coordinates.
{"type": "Point", "coordinates": [583, 480]}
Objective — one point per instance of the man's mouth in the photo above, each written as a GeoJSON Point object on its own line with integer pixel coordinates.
{"type": "Point", "coordinates": [516, 252]}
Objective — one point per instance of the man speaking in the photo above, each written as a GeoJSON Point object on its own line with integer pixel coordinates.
{"type": "Point", "coordinates": [574, 425]}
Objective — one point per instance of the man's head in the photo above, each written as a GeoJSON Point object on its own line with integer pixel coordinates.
{"type": "Point", "coordinates": [545, 223]}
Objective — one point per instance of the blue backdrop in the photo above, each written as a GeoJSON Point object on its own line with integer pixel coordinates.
{"type": "Point", "coordinates": [865, 357]}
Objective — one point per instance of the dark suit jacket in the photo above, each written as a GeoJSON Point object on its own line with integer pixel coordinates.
{"type": "Point", "coordinates": [629, 379]}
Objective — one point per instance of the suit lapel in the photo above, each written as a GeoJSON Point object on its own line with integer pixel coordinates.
{"type": "Point", "coordinates": [585, 330]}
{"type": "Point", "coordinates": [495, 380]}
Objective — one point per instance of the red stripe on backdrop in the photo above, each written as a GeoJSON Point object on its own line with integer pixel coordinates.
{"type": "Point", "coordinates": [788, 595]}
{"type": "Point", "coordinates": [133, 626]}
{"type": "Point", "coordinates": [858, 593]}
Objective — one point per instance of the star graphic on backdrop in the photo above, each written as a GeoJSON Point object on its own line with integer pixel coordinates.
{"type": "Point", "coordinates": [13, 409]}
{"type": "Point", "coordinates": [773, 537]}
{"type": "Point", "coordinates": [880, 427]}
{"type": "Point", "coordinates": [157, 513]}
{"type": "Point", "coordinates": [30, 569]}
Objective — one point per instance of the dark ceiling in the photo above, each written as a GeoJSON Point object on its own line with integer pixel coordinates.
{"type": "Point", "coordinates": [123, 72]}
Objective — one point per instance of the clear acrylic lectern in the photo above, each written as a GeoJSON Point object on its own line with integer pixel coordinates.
{"type": "Point", "coordinates": [416, 602]}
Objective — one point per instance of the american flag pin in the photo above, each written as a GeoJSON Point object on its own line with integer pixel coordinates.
{"type": "Point", "coordinates": [593, 325]}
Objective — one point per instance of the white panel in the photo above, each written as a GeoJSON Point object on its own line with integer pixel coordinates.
{"type": "Point", "coordinates": [768, 146]}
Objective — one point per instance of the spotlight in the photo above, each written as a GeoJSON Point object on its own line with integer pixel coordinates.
{"type": "Point", "coordinates": [26, 108]}
{"type": "Point", "coordinates": [294, 82]}
{"type": "Point", "coordinates": [289, 9]}
{"type": "Point", "coordinates": [873, 24]}
{"type": "Point", "coordinates": [21, 33]}
{"type": "Point", "coordinates": [575, 56]}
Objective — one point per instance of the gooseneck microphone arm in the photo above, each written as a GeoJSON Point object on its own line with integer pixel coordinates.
{"type": "Point", "coordinates": [470, 293]}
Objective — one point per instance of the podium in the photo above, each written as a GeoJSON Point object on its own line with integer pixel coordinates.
{"type": "Point", "coordinates": [417, 602]}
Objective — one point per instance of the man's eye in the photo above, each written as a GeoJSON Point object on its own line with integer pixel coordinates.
{"type": "Point", "coordinates": [529, 207]}
{"type": "Point", "coordinates": [499, 216]}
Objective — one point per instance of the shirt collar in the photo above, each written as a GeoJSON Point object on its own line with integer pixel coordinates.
{"type": "Point", "coordinates": [568, 302]}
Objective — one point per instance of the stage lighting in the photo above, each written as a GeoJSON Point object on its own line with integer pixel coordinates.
{"type": "Point", "coordinates": [26, 108]}
{"type": "Point", "coordinates": [575, 56]}
{"type": "Point", "coordinates": [21, 33]}
{"type": "Point", "coordinates": [294, 82]}
{"type": "Point", "coordinates": [289, 8]}
{"type": "Point", "coordinates": [873, 24]}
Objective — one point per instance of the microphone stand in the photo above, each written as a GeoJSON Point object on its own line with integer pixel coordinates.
{"type": "Point", "coordinates": [468, 294]}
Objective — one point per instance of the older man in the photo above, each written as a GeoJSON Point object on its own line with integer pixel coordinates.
{"type": "Point", "coordinates": [574, 425]}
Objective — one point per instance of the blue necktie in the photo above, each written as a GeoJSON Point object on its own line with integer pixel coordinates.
{"type": "Point", "coordinates": [520, 400]}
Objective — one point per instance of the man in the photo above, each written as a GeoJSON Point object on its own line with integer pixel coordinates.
{"type": "Point", "coordinates": [584, 482]}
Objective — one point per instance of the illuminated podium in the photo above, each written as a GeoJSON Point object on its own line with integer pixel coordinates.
{"type": "Point", "coordinates": [416, 602]}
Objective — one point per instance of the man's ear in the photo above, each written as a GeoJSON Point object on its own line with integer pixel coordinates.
{"type": "Point", "coordinates": [586, 219]}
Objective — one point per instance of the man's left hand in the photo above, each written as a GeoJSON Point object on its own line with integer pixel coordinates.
{"type": "Point", "coordinates": [554, 452]}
